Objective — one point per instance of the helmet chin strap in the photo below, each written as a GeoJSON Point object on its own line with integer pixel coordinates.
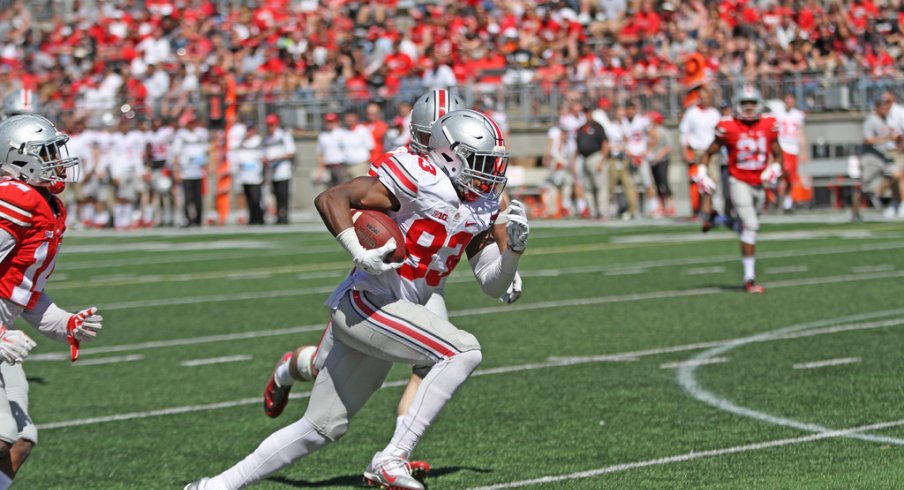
{"type": "Point", "coordinates": [56, 187]}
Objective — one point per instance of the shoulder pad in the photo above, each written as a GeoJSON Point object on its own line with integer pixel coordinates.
{"type": "Point", "coordinates": [18, 202]}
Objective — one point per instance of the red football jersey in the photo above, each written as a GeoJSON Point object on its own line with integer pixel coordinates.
{"type": "Point", "coordinates": [28, 217]}
{"type": "Point", "coordinates": [748, 146]}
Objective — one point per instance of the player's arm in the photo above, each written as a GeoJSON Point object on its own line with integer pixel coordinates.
{"type": "Point", "coordinates": [63, 326]}
{"type": "Point", "coordinates": [335, 205]}
{"type": "Point", "coordinates": [702, 178]}
{"type": "Point", "coordinates": [495, 253]}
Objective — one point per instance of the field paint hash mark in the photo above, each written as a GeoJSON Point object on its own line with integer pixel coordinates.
{"type": "Point", "coordinates": [626, 272]}
{"type": "Point", "coordinates": [216, 360]}
{"type": "Point", "coordinates": [873, 268]}
{"type": "Point", "coordinates": [109, 360]}
{"type": "Point", "coordinates": [687, 377]}
{"type": "Point", "coordinates": [700, 271]}
{"type": "Point", "coordinates": [790, 269]}
{"type": "Point", "coordinates": [673, 365]}
{"type": "Point", "coordinates": [694, 455]}
{"type": "Point", "coordinates": [552, 362]}
{"type": "Point", "coordinates": [828, 362]}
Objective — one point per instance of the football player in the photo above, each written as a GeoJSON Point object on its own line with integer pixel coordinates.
{"type": "Point", "coordinates": [305, 362]}
{"type": "Point", "coordinates": [35, 166]}
{"type": "Point", "coordinates": [445, 203]}
{"type": "Point", "coordinates": [750, 138]}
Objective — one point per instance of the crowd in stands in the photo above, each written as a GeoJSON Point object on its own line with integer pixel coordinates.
{"type": "Point", "coordinates": [162, 55]}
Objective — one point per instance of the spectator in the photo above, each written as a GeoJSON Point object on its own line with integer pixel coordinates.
{"type": "Point", "coordinates": [593, 147]}
{"type": "Point", "coordinates": [660, 154]}
{"type": "Point", "coordinates": [877, 172]}
{"type": "Point", "coordinates": [620, 167]}
{"type": "Point", "coordinates": [248, 171]}
{"type": "Point", "coordinates": [357, 143]}
{"type": "Point", "coordinates": [162, 203]}
{"type": "Point", "coordinates": [330, 153]}
{"type": "Point", "coordinates": [190, 154]}
{"type": "Point", "coordinates": [377, 127]}
{"type": "Point", "coordinates": [697, 132]}
{"type": "Point", "coordinates": [557, 202]}
{"type": "Point", "coordinates": [280, 159]}
{"type": "Point", "coordinates": [793, 141]}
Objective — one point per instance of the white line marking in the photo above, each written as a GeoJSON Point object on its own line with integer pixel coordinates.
{"type": "Point", "coordinates": [699, 271]}
{"type": "Point", "coordinates": [552, 362]}
{"type": "Point", "coordinates": [216, 360]}
{"type": "Point", "coordinates": [249, 276]}
{"type": "Point", "coordinates": [693, 455]}
{"type": "Point", "coordinates": [626, 272]}
{"type": "Point", "coordinates": [789, 269]}
{"type": "Point", "coordinates": [688, 381]}
{"type": "Point", "coordinates": [59, 356]}
{"type": "Point", "coordinates": [156, 344]}
{"type": "Point", "coordinates": [167, 246]}
{"type": "Point", "coordinates": [829, 362]}
{"type": "Point", "coordinates": [109, 360]}
{"type": "Point", "coordinates": [673, 365]}
{"type": "Point", "coordinates": [768, 236]}
{"type": "Point", "coordinates": [873, 268]}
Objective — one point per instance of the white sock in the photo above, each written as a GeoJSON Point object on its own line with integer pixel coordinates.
{"type": "Point", "coordinates": [283, 377]}
{"type": "Point", "coordinates": [399, 421]}
{"type": "Point", "coordinates": [581, 205]}
{"type": "Point", "coordinates": [788, 203]}
{"type": "Point", "coordinates": [280, 449]}
{"type": "Point", "coordinates": [435, 391]}
{"type": "Point", "coordinates": [5, 481]}
{"type": "Point", "coordinates": [749, 268]}
{"type": "Point", "coordinates": [102, 218]}
{"type": "Point", "coordinates": [86, 213]}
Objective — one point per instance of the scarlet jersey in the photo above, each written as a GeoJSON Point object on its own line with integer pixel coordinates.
{"type": "Point", "coordinates": [748, 146]}
{"type": "Point", "coordinates": [38, 230]}
{"type": "Point", "coordinates": [436, 224]}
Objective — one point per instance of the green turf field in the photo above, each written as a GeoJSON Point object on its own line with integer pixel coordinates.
{"type": "Point", "coordinates": [633, 360]}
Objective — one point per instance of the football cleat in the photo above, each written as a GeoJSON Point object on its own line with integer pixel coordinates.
{"type": "Point", "coordinates": [390, 473]}
{"type": "Point", "coordinates": [706, 222]}
{"type": "Point", "coordinates": [420, 470]}
{"type": "Point", "coordinates": [753, 288]}
{"type": "Point", "coordinates": [276, 397]}
{"type": "Point", "coordinates": [197, 484]}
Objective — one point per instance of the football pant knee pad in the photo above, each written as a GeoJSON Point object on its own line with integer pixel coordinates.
{"type": "Point", "coordinates": [748, 236]}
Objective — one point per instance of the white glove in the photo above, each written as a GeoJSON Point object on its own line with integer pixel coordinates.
{"type": "Point", "coordinates": [14, 345]}
{"type": "Point", "coordinates": [515, 219]}
{"type": "Point", "coordinates": [371, 261]}
{"type": "Point", "coordinates": [771, 175]}
{"type": "Point", "coordinates": [514, 291]}
{"type": "Point", "coordinates": [82, 326]}
{"type": "Point", "coordinates": [85, 325]}
{"type": "Point", "coordinates": [702, 179]}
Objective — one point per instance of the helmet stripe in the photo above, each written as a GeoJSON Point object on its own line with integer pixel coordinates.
{"type": "Point", "coordinates": [499, 141]}
{"type": "Point", "coordinates": [25, 95]}
{"type": "Point", "coordinates": [443, 103]}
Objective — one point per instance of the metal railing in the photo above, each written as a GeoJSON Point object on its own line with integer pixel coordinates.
{"type": "Point", "coordinates": [533, 105]}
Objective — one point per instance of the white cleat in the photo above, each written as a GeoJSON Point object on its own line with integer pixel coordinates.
{"type": "Point", "coordinates": [197, 484]}
{"type": "Point", "coordinates": [391, 473]}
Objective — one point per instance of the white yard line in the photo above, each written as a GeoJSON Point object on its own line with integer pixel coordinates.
{"type": "Point", "coordinates": [626, 272]}
{"type": "Point", "coordinates": [622, 298]}
{"type": "Point", "coordinates": [342, 267]}
{"type": "Point", "coordinates": [551, 362]}
{"type": "Point", "coordinates": [700, 271]}
{"type": "Point", "coordinates": [788, 269]}
{"type": "Point", "coordinates": [694, 455]}
{"type": "Point", "coordinates": [673, 365]}
{"type": "Point", "coordinates": [873, 268]}
{"type": "Point", "coordinates": [687, 377]}
{"type": "Point", "coordinates": [828, 362]}
{"type": "Point", "coordinates": [109, 360]}
{"type": "Point", "coordinates": [216, 360]}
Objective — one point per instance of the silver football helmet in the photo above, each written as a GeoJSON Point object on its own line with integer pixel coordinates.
{"type": "Point", "coordinates": [469, 147]}
{"type": "Point", "coordinates": [33, 150]}
{"type": "Point", "coordinates": [746, 95]}
{"type": "Point", "coordinates": [21, 101]}
{"type": "Point", "coordinates": [426, 110]}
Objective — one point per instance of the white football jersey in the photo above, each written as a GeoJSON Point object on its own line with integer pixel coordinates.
{"type": "Point", "coordinates": [132, 148]}
{"type": "Point", "coordinates": [190, 147]}
{"type": "Point", "coordinates": [637, 129]}
{"type": "Point", "coordinates": [790, 124]}
{"type": "Point", "coordinates": [436, 224]}
{"type": "Point", "coordinates": [160, 142]}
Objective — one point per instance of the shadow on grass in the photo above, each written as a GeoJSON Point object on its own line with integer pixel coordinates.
{"type": "Point", "coordinates": [358, 480]}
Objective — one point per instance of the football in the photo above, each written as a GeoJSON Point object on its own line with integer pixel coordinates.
{"type": "Point", "coordinates": [374, 229]}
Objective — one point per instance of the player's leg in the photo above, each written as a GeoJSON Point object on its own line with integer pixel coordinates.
{"type": "Point", "coordinates": [348, 379]}
{"type": "Point", "coordinates": [16, 387]}
{"type": "Point", "coordinates": [400, 331]}
{"type": "Point", "coordinates": [745, 199]}
{"type": "Point", "coordinates": [9, 432]}
{"type": "Point", "coordinates": [302, 364]}
{"type": "Point", "coordinates": [789, 177]}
